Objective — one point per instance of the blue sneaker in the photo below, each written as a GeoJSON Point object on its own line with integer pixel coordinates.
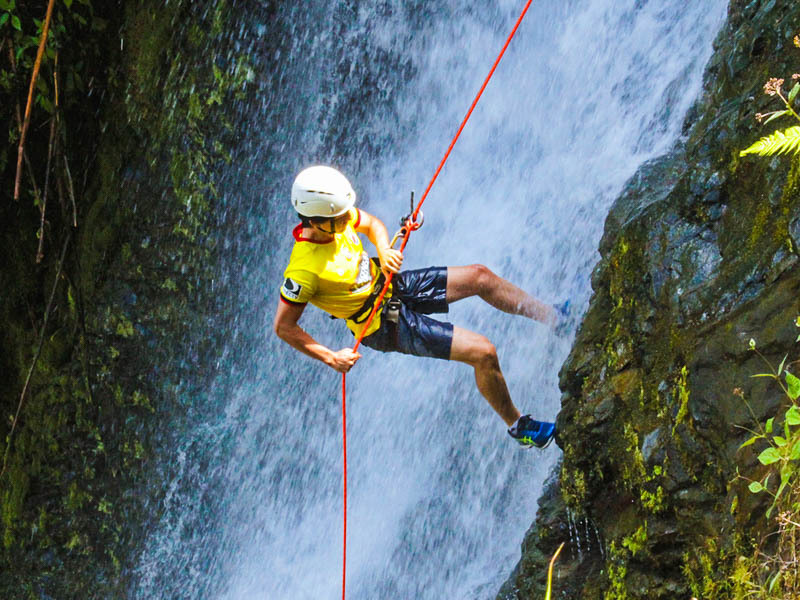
{"type": "Point", "coordinates": [529, 432]}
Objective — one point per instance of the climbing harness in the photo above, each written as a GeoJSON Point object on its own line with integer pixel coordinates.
{"type": "Point", "coordinates": [391, 311]}
{"type": "Point", "coordinates": [408, 224]}
{"type": "Point", "coordinates": [365, 310]}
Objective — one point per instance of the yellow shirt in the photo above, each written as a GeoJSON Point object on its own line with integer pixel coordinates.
{"type": "Point", "coordinates": [336, 276]}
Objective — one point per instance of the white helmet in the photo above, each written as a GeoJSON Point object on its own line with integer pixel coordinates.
{"type": "Point", "coordinates": [322, 192]}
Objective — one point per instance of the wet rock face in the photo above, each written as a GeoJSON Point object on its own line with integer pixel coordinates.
{"type": "Point", "coordinates": [699, 254]}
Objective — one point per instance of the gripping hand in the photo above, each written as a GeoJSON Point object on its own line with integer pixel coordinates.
{"type": "Point", "coordinates": [343, 360]}
{"type": "Point", "coordinates": [391, 259]}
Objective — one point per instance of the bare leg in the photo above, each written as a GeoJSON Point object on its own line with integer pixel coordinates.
{"type": "Point", "coordinates": [478, 280]}
{"type": "Point", "coordinates": [476, 350]}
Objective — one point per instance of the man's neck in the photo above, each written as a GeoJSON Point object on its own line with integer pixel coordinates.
{"type": "Point", "coordinates": [315, 235]}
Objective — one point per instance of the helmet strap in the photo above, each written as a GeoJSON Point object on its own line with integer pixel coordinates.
{"type": "Point", "coordinates": [332, 230]}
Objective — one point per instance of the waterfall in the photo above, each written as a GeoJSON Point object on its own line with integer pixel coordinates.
{"type": "Point", "coordinates": [440, 496]}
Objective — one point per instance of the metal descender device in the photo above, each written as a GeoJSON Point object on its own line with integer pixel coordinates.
{"type": "Point", "coordinates": [407, 223]}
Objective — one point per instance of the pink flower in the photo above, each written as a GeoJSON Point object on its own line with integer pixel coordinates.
{"type": "Point", "coordinates": [773, 86]}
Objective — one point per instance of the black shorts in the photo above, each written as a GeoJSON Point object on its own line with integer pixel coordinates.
{"type": "Point", "coordinates": [421, 292]}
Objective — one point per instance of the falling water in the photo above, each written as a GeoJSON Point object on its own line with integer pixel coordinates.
{"type": "Point", "coordinates": [574, 535]}
{"type": "Point", "coordinates": [580, 538]}
{"type": "Point", "coordinates": [599, 540]}
{"type": "Point", "coordinates": [440, 497]}
{"type": "Point", "coordinates": [571, 529]}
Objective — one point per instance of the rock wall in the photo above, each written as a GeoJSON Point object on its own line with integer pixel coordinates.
{"type": "Point", "coordinates": [699, 255]}
{"type": "Point", "coordinates": [130, 343]}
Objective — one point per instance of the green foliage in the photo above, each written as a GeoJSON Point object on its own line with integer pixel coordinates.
{"type": "Point", "coordinates": [782, 453]}
{"type": "Point", "coordinates": [780, 142]}
{"type": "Point", "coordinates": [773, 573]}
{"type": "Point", "coordinates": [635, 542]}
{"type": "Point", "coordinates": [617, 565]}
{"type": "Point", "coordinates": [682, 388]}
{"type": "Point", "coordinates": [8, 15]}
{"type": "Point", "coordinates": [786, 141]}
{"type": "Point", "coordinates": [700, 566]}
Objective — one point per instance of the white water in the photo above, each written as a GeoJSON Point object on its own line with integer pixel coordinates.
{"type": "Point", "coordinates": [440, 497]}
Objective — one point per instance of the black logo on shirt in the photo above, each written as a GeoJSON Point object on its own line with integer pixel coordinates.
{"type": "Point", "coordinates": [291, 289]}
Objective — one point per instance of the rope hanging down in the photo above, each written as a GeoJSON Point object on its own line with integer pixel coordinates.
{"type": "Point", "coordinates": [410, 225]}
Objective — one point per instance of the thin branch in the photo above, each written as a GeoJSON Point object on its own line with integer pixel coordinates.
{"type": "Point", "coordinates": [62, 131]}
{"type": "Point", "coordinates": [38, 352]}
{"type": "Point", "coordinates": [40, 251]}
{"type": "Point", "coordinates": [55, 79]}
{"type": "Point", "coordinates": [51, 144]}
{"type": "Point", "coordinates": [70, 189]}
{"type": "Point", "coordinates": [788, 105]}
{"type": "Point", "coordinates": [19, 126]}
{"type": "Point", "coordinates": [60, 189]}
{"type": "Point", "coordinates": [36, 65]}
{"type": "Point", "coordinates": [787, 520]}
{"type": "Point", "coordinates": [32, 317]}
{"type": "Point", "coordinates": [36, 191]}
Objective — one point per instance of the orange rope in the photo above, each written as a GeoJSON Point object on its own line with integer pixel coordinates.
{"type": "Point", "coordinates": [410, 225]}
{"type": "Point", "coordinates": [344, 456]}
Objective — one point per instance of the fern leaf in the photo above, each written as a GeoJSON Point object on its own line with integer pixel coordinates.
{"type": "Point", "coordinates": [780, 142]}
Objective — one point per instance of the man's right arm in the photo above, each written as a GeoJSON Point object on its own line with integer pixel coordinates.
{"type": "Point", "coordinates": [286, 327]}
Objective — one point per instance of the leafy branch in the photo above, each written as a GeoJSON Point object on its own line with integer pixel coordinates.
{"type": "Point", "coordinates": [786, 141]}
{"type": "Point", "coordinates": [8, 16]}
{"type": "Point", "coordinates": [780, 142]}
{"type": "Point", "coordinates": [783, 447]}
{"type": "Point", "coordinates": [771, 572]}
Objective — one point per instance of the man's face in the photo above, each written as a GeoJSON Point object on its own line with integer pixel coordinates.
{"type": "Point", "coordinates": [331, 225]}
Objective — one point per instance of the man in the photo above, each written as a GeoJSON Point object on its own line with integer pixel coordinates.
{"type": "Point", "coordinates": [329, 268]}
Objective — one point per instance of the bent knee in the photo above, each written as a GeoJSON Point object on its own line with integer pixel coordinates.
{"type": "Point", "coordinates": [481, 276]}
{"type": "Point", "coordinates": [485, 353]}
{"type": "Point", "coordinates": [472, 348]}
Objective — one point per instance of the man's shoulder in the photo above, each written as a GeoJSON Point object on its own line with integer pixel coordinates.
{"type": "Point", "coordinates": [306, 257]}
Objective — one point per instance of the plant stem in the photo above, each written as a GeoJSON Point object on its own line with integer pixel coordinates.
{"type": "Point", "coordinates": [788, 106]}
{"type": "Point", "coordinates": [71, 190]}
{"type": "Point", "coordinates": [775, 375]}
{"type": "Point", "coordinates": [36, 65]}
{"type": "Point", "coordinates": [755, 419]}
{"type": "Point", "coordinates": [18, 113]}
{"type": "Point", "coordinates": [40, 251]}
{"type": "Point", "coordinates": [550, 571]}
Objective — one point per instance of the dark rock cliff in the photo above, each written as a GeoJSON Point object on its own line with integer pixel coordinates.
{"type": "Point", "coordinates": [145, 134]}
{"type": "Point", "coordinates": [699, 255]}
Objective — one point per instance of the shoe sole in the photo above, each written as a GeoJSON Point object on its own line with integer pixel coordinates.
{"type": "Point", "coordinates": [542, 447]}
{"type": "Point", "coordinates": [548, 442]}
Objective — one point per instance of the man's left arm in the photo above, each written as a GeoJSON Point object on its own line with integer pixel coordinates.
{"type": "Point", "coordinates": [375, 230]}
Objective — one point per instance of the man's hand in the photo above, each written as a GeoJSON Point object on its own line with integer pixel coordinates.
{"type": "Point", "coordinates": [391, 259]}
{"type": "Point", "coordinates": [343, 360]}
